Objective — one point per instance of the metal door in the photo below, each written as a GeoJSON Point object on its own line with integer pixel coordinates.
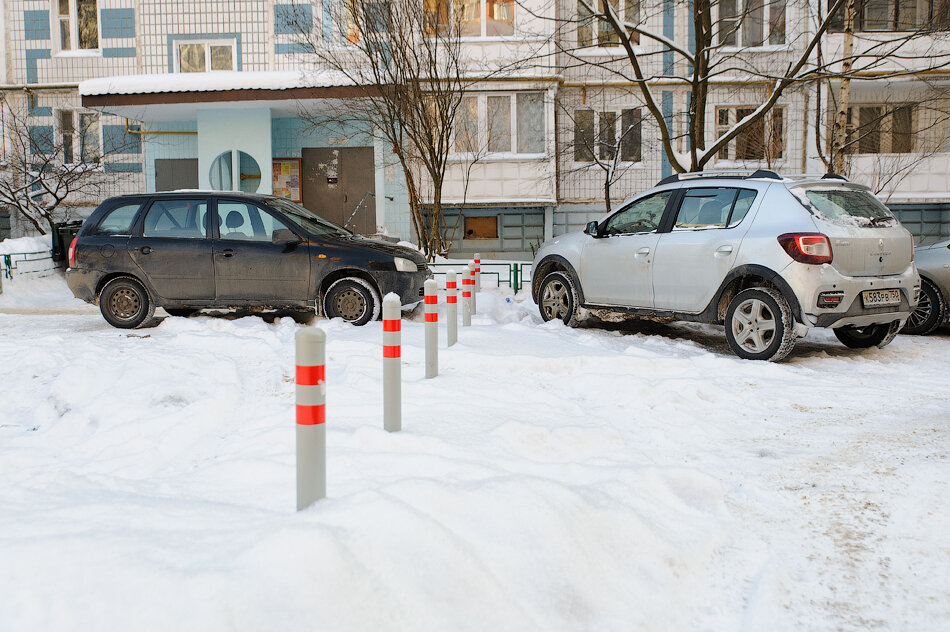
{"type": "Point", "coordinates": [335, 179]}
{"type": "Point", "coordinates": [172, 174]}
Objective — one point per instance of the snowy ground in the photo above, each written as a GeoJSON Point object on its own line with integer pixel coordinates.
{"type": "Point", "coordinates": [637, 478]}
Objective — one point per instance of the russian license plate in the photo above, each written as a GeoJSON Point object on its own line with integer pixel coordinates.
{"type": "Point", "coordinates": [878, 298]}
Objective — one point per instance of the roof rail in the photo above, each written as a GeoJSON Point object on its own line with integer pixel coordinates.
{"type": "Point", "coordinates": [727, 173]}
{"type": "Point", "coordinates": [834, 176]}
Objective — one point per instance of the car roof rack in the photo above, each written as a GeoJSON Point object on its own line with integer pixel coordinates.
{"type": "Point", "coordinates": [729, 173]}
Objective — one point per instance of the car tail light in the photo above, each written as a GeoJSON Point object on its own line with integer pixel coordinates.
{"type": "Point", "coordinates": [911, 247]}
{"type": "Point", "coordinates": [72, 252]}
{"type": "Point", "coordinates": [807, 247]}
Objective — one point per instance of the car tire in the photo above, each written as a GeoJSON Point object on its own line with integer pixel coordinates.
{"type": "Point", "coordinates": [930, 312]}
{"type": "Point", "coordinates": [352, 299]}
{"type": "Point", "coordinates": [867, 337]}
{"type": "Point", "coordinates": [557, 299]}
{"type": "Point", "coordinates": [125, 303]}
{"type": "Point", "coordinates": [759, 325]}
{"type": "Point", "coordinates": [183, 312]}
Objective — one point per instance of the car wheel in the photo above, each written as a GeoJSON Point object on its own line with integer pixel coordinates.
{"type": "Point", "coordinates": [870, 336]}
{"type": "Point", "coordinates": [930, 311]}
{"type": "Point", "coordinates": [124, 303]}
{"type": "Point", "coordinates": [759, 325]}
{"type": "Point", "coordinates": [557, 299]}
{"type": "Point", "coordinates": [181, 311]}
{"type": "Point", "coordinates": [352, 299]}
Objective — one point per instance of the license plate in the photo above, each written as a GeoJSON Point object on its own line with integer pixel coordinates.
{"type": "Point", "coordinates": [877, 298]}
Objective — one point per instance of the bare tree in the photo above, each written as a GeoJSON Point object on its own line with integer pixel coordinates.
{"type": "Point", "coordinates": [718, 55]}
{"type": "Point", "coordinates": [40, 171]}
{"type": "Point", "coordinates": [405, 59]}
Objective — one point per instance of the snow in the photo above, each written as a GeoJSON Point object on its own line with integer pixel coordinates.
{"type": "Point", "coordinates": [22, 245]}
{"type": "Point", "coordinates": [212, 81]}
{"type": "Point", "coordinates": [630, 477]}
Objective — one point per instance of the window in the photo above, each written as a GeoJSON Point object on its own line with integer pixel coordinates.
{"type": "Point", "coordinates": [246, 222]}
{"type": "Point", "coordinates": [119, 220]}
{"type": "Point", "coordinates": [204, 56]}
{"type": "Point", "coordinates": [184, 219]}
{"type": "Point", "coordinates": [481, 228]}
{"type": "Point", "coordinates": [501, 123]}
{"type": "Point", "coordinates": [628, 10]}
{"type": "Point", "coordinates": [751, 22]}
{"type": "Point", "coordinates": [895, 15]}
{"type": "Point", "coordinates": [472, 18]}
{"type": "Point", "coordinates": [642, 216]}
{"type": "Point", "coordinates": [79, 134]}
{"type": "Point", "coordinates": [880, 129]}
{"type": "Point", "coordinates": [713, 208]}
{"type": "Point", "coordinates": [616, 130]}
{"type": "Point", "coordinates": [763, 140]}
{"type": "Point", "coordinates": [78, 24]}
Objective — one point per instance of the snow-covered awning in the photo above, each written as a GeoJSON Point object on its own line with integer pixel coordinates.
{"type": "Point", "coordinates": [178, 96]}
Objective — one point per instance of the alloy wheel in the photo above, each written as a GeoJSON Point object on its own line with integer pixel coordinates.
{"type": "Point", "coordinates": [554, 300]}
{"type": "Point", "coordinates": [753, 325]}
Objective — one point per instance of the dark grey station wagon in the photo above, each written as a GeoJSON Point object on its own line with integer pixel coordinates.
{"type": "Point", "coordinates": [191, 250]}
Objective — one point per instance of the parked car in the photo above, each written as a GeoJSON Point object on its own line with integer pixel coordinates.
{"type": "Point", "coordinates": [190, 250]}
{"type": "Point", "coordinates": [766, 256]}
{"type": "Point", "coordinates": [933, 264]}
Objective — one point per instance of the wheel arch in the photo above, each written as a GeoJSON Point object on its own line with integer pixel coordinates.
{"type": "Point", "coordinates": [554, 263]}
{"type": "Point", "coordinates": [342, 273]}
{"type": "Point", "coordinates": [117, 275]}
{"type": "Point", "coordinates": [745, 277]}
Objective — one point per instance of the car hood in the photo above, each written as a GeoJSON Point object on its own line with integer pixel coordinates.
{"type": "Point", "coordinates": [389, 248]}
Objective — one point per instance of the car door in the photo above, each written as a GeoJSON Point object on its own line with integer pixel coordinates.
{"type": "Point", "coordinates": [258, 258]}
{"type": "Point", "coordinates": [616, 266]}
{"type": "Point", "coordinates": [170, 245]}
{"type": "Point", "coordinates": [696, 255]}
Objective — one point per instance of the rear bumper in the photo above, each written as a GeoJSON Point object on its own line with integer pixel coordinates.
{"type": "Point", "coordinates": [82, 283]}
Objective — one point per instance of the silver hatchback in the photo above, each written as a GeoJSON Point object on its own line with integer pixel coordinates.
{"type": "Point", "coordinates": [767, 257]}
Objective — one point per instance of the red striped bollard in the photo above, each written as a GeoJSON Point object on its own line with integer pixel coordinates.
{"type": "Point", "coordinates": [311, 345]}
{"type": "Point", "coordinates": [451, 308]}
{"type": "Point", "coordinates": [478, 272]}
{"type": "Point", "coordinates": [392, 363]}
{"type": "Point", "coordinates": [431, 293]}
{"type": "Point", "coordinates": [467, 283]}
{"type": "Point", "coordinates": [471, 275]}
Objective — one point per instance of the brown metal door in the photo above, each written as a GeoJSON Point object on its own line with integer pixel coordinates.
{"type": "Point", "coordinates": [335, 179]}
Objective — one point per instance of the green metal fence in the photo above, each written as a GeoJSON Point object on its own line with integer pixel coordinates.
{"type": "Point", "coordinates": [511, 273]}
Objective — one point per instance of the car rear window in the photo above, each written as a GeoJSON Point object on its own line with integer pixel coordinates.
{"type": "Point", "coordinates": [119, 220]}
{"type": "Point", "coordinates": [851, 206]}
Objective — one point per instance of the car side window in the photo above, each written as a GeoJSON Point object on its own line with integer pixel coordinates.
{"type": "Point", "coordinates": [642, 216]}
{"type": "Point", "coordinates": [183, 219]}
{"type": "Point", "coordinates": [708, 207]}
{"type": "Point", "coordinates": [118, 221]}
{"type": "Point", "coordinates": [246, 222]}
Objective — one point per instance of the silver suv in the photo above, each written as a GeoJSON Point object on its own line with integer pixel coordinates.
{"type": "Point", "coordinates": [767, 257]}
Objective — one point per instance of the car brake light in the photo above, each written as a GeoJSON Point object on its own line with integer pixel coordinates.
{"type": "Point", "coordinates": [911, 247]}
{"type": "Point", "coordinates": [807, 247]}
{"type": "Point", "coordinates": [72, 252]}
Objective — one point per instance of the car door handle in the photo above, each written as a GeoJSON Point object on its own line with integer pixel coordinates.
{"type": "Point", "coordinates": [643, 251]}
{"type": "Point", "coordinates": [722, 251]}
{"type": "Point", "coordinates": [228, 252]}
{"type": "Point", "coordinates": [145, 250]}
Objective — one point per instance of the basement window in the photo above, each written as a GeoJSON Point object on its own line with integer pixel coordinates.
{"type": "Point", "coordinates": [481, 227]}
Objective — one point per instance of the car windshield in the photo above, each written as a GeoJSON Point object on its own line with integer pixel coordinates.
{"type": "Point", "coordinates": [858, 207]}
{"type": "Point", "coordinates": [307, 220]}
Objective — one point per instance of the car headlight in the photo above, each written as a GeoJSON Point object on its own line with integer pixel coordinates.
{"type": "Point", "coordinates": [404, 265]}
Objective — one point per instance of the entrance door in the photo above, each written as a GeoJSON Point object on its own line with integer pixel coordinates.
{"type": "Point", "coordinates": [172, 174]}
{"type": "Point", "coordinates": [335, 179]}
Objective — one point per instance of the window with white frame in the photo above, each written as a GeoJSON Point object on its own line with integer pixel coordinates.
{"type": "Point", "coordinates": [762, 140]}
{"type": "Point", "coordinates": [894, 15]}
{"type": "Point", "coordinates": [78, 24]}
{"type": "Point", "coordinates": [205, 55]}
{"type": "Point", "coordinates": [79, 137]}
{"type": "Point", "coordinates": [751, 22]}
{"type": "Point", "coordinates": [604, 133]}
{"type": "Point", "coordinates": [473, 18]}
{"type": "Point", "coordinates": [599, 32]}
{"type": "Point", "coordinates": [501, 123]}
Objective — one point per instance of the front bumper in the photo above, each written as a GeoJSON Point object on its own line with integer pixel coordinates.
{"type": "Point", "coordinates": [408, 286]}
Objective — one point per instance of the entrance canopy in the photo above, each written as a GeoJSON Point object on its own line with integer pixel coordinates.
{"type": "Point", "coordinates": [180, 96]}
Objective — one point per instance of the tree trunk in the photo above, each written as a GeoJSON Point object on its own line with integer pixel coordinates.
{"type": "Point", "coordinates": [844, 94]}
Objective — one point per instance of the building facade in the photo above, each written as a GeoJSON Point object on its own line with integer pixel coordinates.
{"type": "Point", "coordinates": [223, 94]}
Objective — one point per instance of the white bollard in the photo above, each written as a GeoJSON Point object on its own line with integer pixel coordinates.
{"type": "Point", "coordinates": [467, 285]}
{"type": "Point", "coordinates": [310, 345]}
{"type": "Point", "coordinates": [471, 285]}
{"type": "Point", "coordinates": [431, 288]}
{"type": "Point", "coordinates": [451, 308]}
{"type": "Point", "coordinates": [392, 363]}
{"type": "Point", "coordinates": [478, 272]}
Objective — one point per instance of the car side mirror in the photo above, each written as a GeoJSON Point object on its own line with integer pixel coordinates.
{"type": "Point", "coordinates": [592, 229]}
{"type": "Point", "coordinates": [284, 236]}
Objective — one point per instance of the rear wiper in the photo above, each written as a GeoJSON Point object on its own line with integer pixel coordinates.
{"type": "Point", "coordinates": [883, 218]}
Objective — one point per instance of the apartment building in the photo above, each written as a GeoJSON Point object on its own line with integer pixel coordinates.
{"type": "Point", "coordinates": [223, 94]}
